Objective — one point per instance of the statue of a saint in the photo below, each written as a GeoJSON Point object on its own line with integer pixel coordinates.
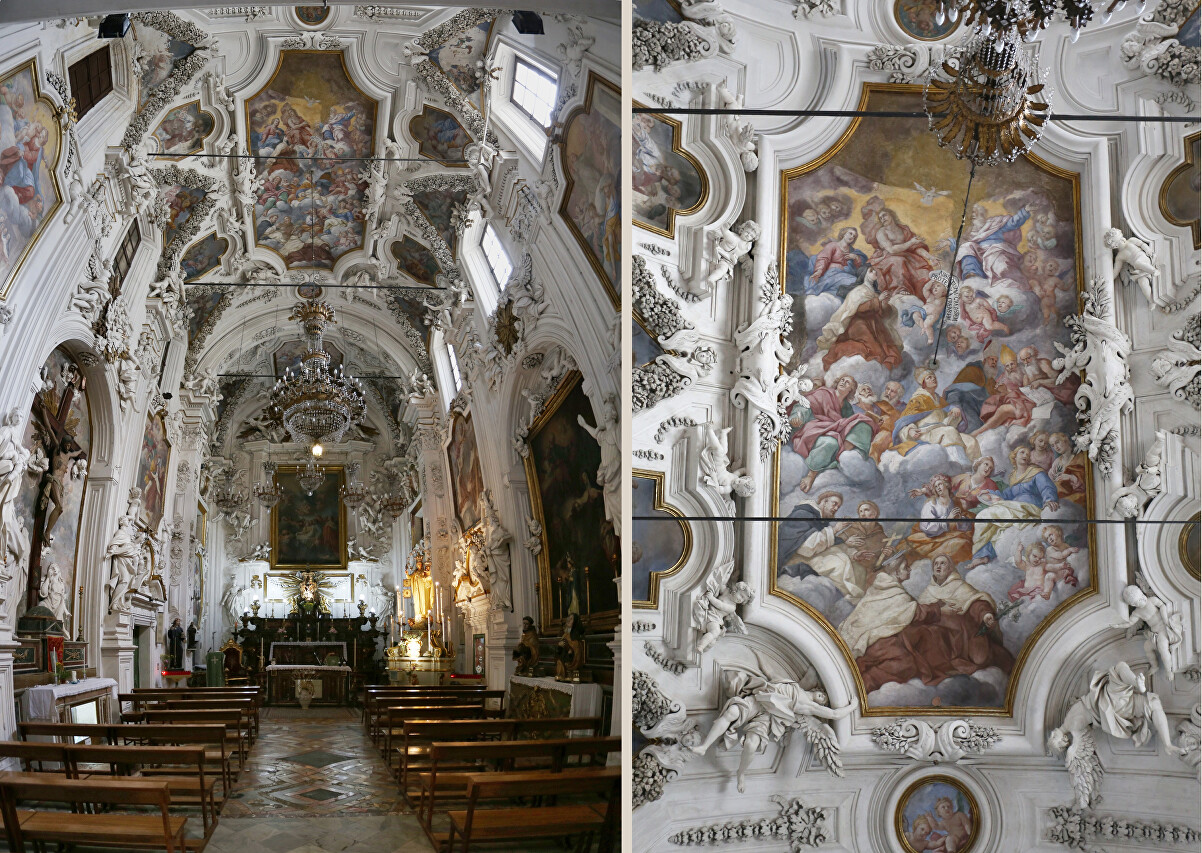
{"type": "Point", "coordinates": [526, 653]}
{"type": "Point", "coordinates": [175, 645]}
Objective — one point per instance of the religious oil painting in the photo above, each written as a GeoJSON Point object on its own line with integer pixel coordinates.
{"type": "Point", "coordinates": [580, 552]}
{"type": "Point", "coordinates": [160, 53]}
{"type": "Point", "coordinates": [412, 304]}
{"type": "Point", "coordinates": [592, 158]}
{"type": "Point", "coordinates": [666, 180]}
{"type": "Point", "coordinates": [439, 136]}
{"type": "Point", "coordinates": [975, 445]}
{"type": "Point", "coordinates": [662, 11]}
{"type": "Point", "coordinates": [203, 256]}
{"type": "Point", "coordinates": [183, 130]}
{"type": "Point", "coordinates": [467, 483]}
{"type": "Point", "coordinates": [308, 530]}
{"type": "Point", "coordinates": [153, 460]}
{"type": "Point", "coordinates": [438, 206]}
{"type": "Point", "coordinates": [312, 16]}
{"type": "Point", "coordinates": [918, 19]}
{"type": "Point", "coordinates": [937, 813]}
{"type": "Point", "coordinates": [30, 144]}
{"type": "Point", "coordinates": [310, 208]}
{"type": "Point", "coordinates": [289, 354]}
{"type": "Point", "coordinates": [203, 303]}
{"type": "Point", "coordinates": [49, 505]}
{"type": "Point", "coordinates": [660, 548]}
{"type": "Point", "coordinates": [181, 204]}
{"type": "Point", "coordinates": [1181, 193]}
{"type": "Point", "coordinates": [309, 291]}
{"type": "Point", "coordinates": [457, 57]}
{"type": "Point", "coordinates": [416, 261]}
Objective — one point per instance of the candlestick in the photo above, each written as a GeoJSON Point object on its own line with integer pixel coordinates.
{"type": "Point", "coordinates": [429, 630]}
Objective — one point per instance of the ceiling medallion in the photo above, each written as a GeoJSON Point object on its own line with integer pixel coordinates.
{"type": "Point", "coordinates": [313, 402]}
{"type": "Point", "coordinates": [993, 106]}
{"type": "Point", "coordinates": [1021, 18]}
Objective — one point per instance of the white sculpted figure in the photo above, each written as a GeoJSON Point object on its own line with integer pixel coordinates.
{"type": "Point", "coordinates": [14, 462]}
{"type": "Point", "coordinates": [232, 599]}
{"type": "Point", "coordinates": [763, 709]}
{"type": "Point", "coordinates": [714, 612]}
{"type": "Point", "coordinates": [1119, 703]}
{"type": "Point", "coordinates": [53, 592]}
{"type": "Point", "coordinates": [730, 246]}
{"type": "Point", "coordinates": [1134, 261]}
{"type": "Point", "coordinates": [608, 434]}
{"type": "Point", "coordinates": [1129, 501]}
{"type": "Point", "coordinates": [124, 554]}
{"type": "Point", "coordinates": [715, 465]}
{"type": "Point", "coordinates": [1161, 625]}
{"type": "Point", "coordinates": [494, 550]}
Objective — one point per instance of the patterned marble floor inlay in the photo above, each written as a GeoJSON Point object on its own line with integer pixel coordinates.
{"type": "Point", "coordinates": [318, 758]}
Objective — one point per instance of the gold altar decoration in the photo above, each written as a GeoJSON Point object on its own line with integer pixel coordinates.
{"type": "Point", "coordinates": [421, 657]}
{"type": "Point", "coordinates": [308, 590]}
{"type": "Point", "coordinates": [419, 586]}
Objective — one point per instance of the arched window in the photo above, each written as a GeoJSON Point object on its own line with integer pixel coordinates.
{"type": "Point", "coordinates": [498, 258]}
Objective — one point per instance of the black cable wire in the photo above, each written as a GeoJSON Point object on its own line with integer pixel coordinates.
{"type": "Point", "coordinates": [883, 519]}
{"type": "Point", "coordinates": [743, 111]}
{"type": "Point", "coordinates": [951, 270]}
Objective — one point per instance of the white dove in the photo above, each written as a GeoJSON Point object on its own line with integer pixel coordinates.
{"type": "Point", "coordinates": [929, 196]}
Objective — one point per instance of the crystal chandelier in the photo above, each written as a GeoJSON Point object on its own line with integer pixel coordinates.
{"type": "Point", "coordinates": [396, 503]}
{"type": "Point", "coordinates": [354, 493]}
{"type": "Point", "coordinates": [226, 495]}
{"type": "Point", "coordinates": [991, 108]}
{"type": "Point", "coordinates": [313, 402]}
{"type": "Point", "coordinates": [1021, 18]}
{"type": "Point", "coordinates": [311, 476]}
{"type": "Point", "coordinates": [268, 492]}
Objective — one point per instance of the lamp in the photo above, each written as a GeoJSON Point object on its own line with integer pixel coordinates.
{"type": "Point", "coordinates": [268, 492]}
{"type": "Point", "coordinates": [354, 493]}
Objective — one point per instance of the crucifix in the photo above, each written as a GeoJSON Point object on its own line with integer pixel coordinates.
{"type": "Point", "coordinates": [57, 438]}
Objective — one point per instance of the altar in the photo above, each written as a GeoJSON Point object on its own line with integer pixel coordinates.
{"type": "Point", "coordinates": [327, 684]}
{"type": "Point", "coordinates": [538, 698]}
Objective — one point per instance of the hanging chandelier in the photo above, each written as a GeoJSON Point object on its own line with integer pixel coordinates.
{"type": "Point", "coordinates": [354, 493]}
{"type": "Point", "coordinates": [226, 495]}
{"type": "Point", "coordinates": [311, 476]}
{"type": "Point", "coordinates": [993, 106]}
{"type": "Point", "coordinates": [313, 402]}
{"type": "Point", "coordinates": [1021, 18]}
{"type": "Point", "coordinates": [268, 492]}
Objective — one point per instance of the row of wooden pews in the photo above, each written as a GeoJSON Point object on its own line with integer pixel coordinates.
{"type": "Point", "coordinates": [124, 785]}
{"type": "Point", "coordinates": [474, 776]}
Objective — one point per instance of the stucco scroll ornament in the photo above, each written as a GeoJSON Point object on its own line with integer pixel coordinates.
{"type": "Point", "coordinates": [1119, 702]}
{"type": "Point", "coordinates": [706, 31]}
{"type": "Point", "coordinates": [715, 466]}
{"type": "Point", "coordinates": [1154, 49]}
{"type": "Point", "coordinates": [1161, 626]}
{"type": "Point", "coordinates": [608, 433]}
{"type": "Point", "coordinates": [1101, 350]}
{"type": "Point", "coordinates": [763, 707]}
{"type": "Point", "coordinates": [910, 63]}
{"type": "Point", "coordinates": [494, 550]}
{"type": "Point", "coordinates": [714, 612]}
{"type": "Point", "coordinates": [1178, 366]}
{"type": "Point", "coordinates": [946, 742]}
{"type": "Point", "coordinates": [771, 395]}
{"type": "Point", "coordinates": [740, 133]}
{"type": "Point", "coordinates": [93, 294]}
{"type": "Point", "coordinates": [1135, 263]}
{"type": "Point", "coordinates": [670, 735]}
{"type": "Point", "coordinates": [1130, 500]}
{"type": "Point", "coordinates": [727, 248]}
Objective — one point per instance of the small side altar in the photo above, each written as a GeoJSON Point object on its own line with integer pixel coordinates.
{"type": "Point", "coordinates": [326, 685]}
{"type": "Point", "coordinates": [52, 703]}
{"type": "Point", "coordinates": [539, 698]}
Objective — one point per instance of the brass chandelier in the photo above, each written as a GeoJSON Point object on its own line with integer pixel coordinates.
{"type": "Point", "coordinates": [268, 492]}
{"type": "Point", "coordinates": [353, 492]}
{"type": "Point", "coordinates": [1021, 18]}
{"type": "Point", "coordinates": [313, 402]}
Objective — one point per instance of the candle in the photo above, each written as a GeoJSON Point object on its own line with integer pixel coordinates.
{"type": "Point", "coordinates": [430, 629]}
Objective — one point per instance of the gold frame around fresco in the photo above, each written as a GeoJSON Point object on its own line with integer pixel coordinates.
{"type": "Point", "coordinates": [336, 470]}
{"type": "Point", "coordinates": [1007, 708]}
{"type": "Point", "coordinates": [660, 504]}
{"type": "Point", "coordinates": [603, 619]}
{"type": "Point", "coordinates": [1194, 225]}
{"type": "Point", "coordinates": [899, 819]}
{"type": "Point", "coordinates": [47, 215]}
{"type": "Point", "coordinates": [413, 136]}
{"type": "Point", "coordinates": [200, 109]}
{"type": "Point", "coordinates": [1183, 546]}
{"type": "Point", "coordinates": [611, 287]}
{"type": "Point", "coordinates": [375, 123]}
{"type": "Point", "coordinates": [702, 198]}
{"type": "Point", "coordinates": [915, 36]}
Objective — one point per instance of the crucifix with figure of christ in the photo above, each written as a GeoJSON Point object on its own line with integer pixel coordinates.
{"type": "Point", "coordinates": [55, 431]}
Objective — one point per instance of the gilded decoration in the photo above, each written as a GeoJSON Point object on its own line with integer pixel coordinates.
{"type": "Point", "coordinates": [1179, 194]}
{"type": "Point", "coordinates": [667, 181]}
{"type": "Point", "coordinates": [660, 549]}
{"type": "Point", "coordinates": [937, 813]}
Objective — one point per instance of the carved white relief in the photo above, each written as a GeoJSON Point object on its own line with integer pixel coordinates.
{"type": "Point", "coordinates": [670, 735]}
{"type": "Point", "coordinates": [1135, 263]}
{"type": "Point", "coordinates": [1178, 366]}
{"type": "Point", "coordinates": [126, 555]}
{"type": "Point", "coordinates": [1161, 627]}
{"type": "Point", "coordinates": [92, 294]}
{"type": "Point", "coordinates": [714, 611]}
{"type": "Point", "coordinates": [728, 247]}
{"type": "Point", "coordinates": [740, 133]}
{"type": "Point", "coordinates": [14, 463]}
{"type": "Point", "coordinates": [943, 743]}
{"type": "Point", "coordinates": [608, 433]}
{"type": "Point", "coordinates": [494, 551]}
{"type": "Point", "coordinates": [715, 466]}
{"type": "Point", "coordinates": [1130, 500]}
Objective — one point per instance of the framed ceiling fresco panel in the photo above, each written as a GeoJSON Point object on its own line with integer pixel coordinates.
{"type": "Point", "coordinates": [439, 136]}
{"type": "Point", "coordinates": [416, 261]}
{"type": "Point", "coordinates": [153, 462]}
{"type": "Point", "coordinates": [578, 561]}
{"type": "Point", "coordinates": [917, 18]}
{"type": "Point", "coordinates": [30, 195]}
{"type": "Point", "coordinates": [937, 813]}
{"type": "Point", "coordinates": [1179, 194]}
{"type": "Point", "coordinates": [592, 163]}
{"type": "Point", "coordinates": [309, 531]}
{"type": "Point", "coordinates": [660, 548]}
{"type": "Point", "coordinates": [939, 612]}
{"type": "Point", "coordinates": [183, 130]}
{"type": "Point", "coordinates": [467, 484]}
{"type": "Point", "coordinates": [667, 181]}
{"type": "Point", "coordinates": [203, 256]}
{"type": "Point", "coordinates": [458, 56]}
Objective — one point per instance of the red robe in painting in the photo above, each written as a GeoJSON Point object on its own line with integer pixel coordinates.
{"type": "Point", "coordinates": [906, 270]}
{"type": "Point", "coordinates": [871, 333]}
{"type": "Point", "coordinates": [828, 419]}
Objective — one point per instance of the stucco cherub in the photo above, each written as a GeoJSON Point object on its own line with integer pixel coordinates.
{"type": "Point", "coordinates": [1162, 627]}
{"type": "Point", "coordinates": [714, 612]}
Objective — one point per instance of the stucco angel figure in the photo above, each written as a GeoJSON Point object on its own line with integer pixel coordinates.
{"type": "Point", "coordinates": [494, 550]}
{"type": "Point", "coordinates": [1119, 703]}
{"type": "Point", "coordinates": [1134, 262]}
{"type": "Point", "coordinates": [1161, 626]}
{"type": "Point", "coordinates": [714, 612]}
{"type": "Point", "coordinates": [14, 462]}
{"type": "Point", "coordinates": [764, 708]}
{"type": "Point", "coordinates": [715, 465]}
{"type": "Point", "coordinates": [730, 246]}
{"type": "Point", "coordinates": [608, 434]}
{"type": "Point", "coordinates": [1129, 501]}
{"type": "Point", "coordinates": [232, 599]}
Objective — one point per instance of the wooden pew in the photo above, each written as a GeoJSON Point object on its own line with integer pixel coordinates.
{"type": "Point", "coordinates": [247, 707]}
{"type": "Point", "coordinates": [232, 720]}
{"type": "Point", "coordinates": [40, 754]}
{"type": "Point", "coordinates": [420, 735]}
{"type": "Point", "coordinates": [378, 702]}
{"type": "Point", "coordinates": [393, 720]}
{"type": "Point", "coordinates": [94, 732]}
{"type": "Point", "coordinates": [528, 823]}
{"type": "Point", "coordinates": [123, 831]}
{"type": "Point", "coordinates": [451, 764]}
{"type": "Point", "coordinates": [442, 690]}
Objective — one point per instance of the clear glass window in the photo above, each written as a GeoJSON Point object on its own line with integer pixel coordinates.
{"type": "Point", "coordinates": [498, 258]}
{"type": "Point", "coordinates": [534, 91]}
{"type": "Point", "coordinates": [454, 362]}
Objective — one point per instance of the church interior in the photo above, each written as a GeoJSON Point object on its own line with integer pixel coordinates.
{"type": "Point", "coordinates": [915, 408]}
{"type": "Point", "coordinates": [310, 369]}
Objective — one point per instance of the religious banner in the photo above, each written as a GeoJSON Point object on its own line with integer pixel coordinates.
{"type": "Point", "coordinates": [467, 483]}
{"type": "Point", "coordinates": [578, 562]}
{"type": "Point", "coordinates": [153, 460]}
{"type": "Point", "coordinates": [309, 530]}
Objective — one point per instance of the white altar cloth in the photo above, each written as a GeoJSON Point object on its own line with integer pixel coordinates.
{"type": "Point", "coordinates": [314, 667]}
{"type": "Point", "coordinates": [38, 704]}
